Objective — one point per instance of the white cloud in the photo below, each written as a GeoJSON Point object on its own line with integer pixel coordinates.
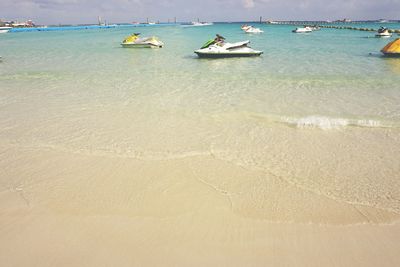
{"type": "Point", "coordinates": [86, 11]}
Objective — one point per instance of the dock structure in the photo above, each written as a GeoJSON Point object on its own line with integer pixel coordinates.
{"type": "Point", "coordinates": [356, 29]}
{"type": "Point", "coordinates": [338, 25]}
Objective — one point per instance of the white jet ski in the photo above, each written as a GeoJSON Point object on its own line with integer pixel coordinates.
{"type": "Point", "coordinates": [244, 27]}
{"type": "Point", "coordinates": [302, 30]}
{"type": "Point", "coordinates": [251, 29]}
{"type": "Point", "coordinates": [135, 41]}
{"type": "Point", "coordinates": [383, 33]}
{"type": "Point", "coordinates": [218, 48]}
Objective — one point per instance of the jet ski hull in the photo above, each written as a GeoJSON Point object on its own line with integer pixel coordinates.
{"type": "Point", "coordinates": [383, 35]}
{"type": "Point", "coordinates": [134, 41]}
{"type": "Point", "coordinates": [254, 31]}
{"type": "Point", "coordinates": [127, 45]}
{"type": "Point", "coordinates": [223, 50]}
{"type": "Point", "coordinates": [302, 30]}
{"type": "Point", "coordinates": [227, 55]}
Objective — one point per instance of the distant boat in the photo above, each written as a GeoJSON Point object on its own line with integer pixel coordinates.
{"type": "Point", "coordinates": [302, 30]}
{"type": "Point", "coordinates": [5, 29]}
{"type": "Point", "coordinates": [251, 29]}
{"type": "Point", "coordinates": [315, 28]}
{"type": "Point", "coordinates": [196, 23]}
{"type": "Point", "coordinates": [149, 22]}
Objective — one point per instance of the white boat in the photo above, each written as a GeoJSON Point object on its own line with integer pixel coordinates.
{"type": "Point", "coordinates": [383, 33]}
{"type": "Point", "coordinates": [315, 28]}
{"type": "Point", "coordinates": [302, 30]}
{"type": "Point", "coordinates": [218, 48]}
{"type": "Point", "coordinates": [5, 29]}
{"type": "Point", "coordinates": [251, 29]}
{"type": "Point", "coordinates": [198, 24]}
{"type": "Point", "coordinates": [136, 41]}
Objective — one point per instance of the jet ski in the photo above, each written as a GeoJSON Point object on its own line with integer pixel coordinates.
{"type": "Point", "coordinates": [251, 29]}
{"type": "Point", "coordinates": [218, 48]}
{"type": "Point", "coordinates": [383, 33]}
{"type": "Point", "coordinates": [244, 27]}
{"type": "Point", "coordinates": [135, 40]}
{"type": "Point", "coordinates": [392, 49]}
{"type": "Point", "coordinates": [302, 30]}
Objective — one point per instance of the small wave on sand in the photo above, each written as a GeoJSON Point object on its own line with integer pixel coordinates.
{"type": "Point", "coordinates": [327, 123]}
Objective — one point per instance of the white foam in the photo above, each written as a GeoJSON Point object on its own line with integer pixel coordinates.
{"type": "Point", "coordinates": [327, 123]}
{"type": "Point", "coordinates": [369, 123]}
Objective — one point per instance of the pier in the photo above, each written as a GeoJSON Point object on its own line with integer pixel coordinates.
{"type": "Point", "coordinates": [355, 28]}
{"type": "Point", "coordinates": [323, 24]}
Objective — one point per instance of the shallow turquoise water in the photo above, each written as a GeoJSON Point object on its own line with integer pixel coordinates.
{"type": "Point", "coordinates": [327, 73]}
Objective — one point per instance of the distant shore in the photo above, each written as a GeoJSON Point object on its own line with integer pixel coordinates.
{"type": "Point", "coordinates": [84, 27]}
{"type": "Point", "coordinates": [123, 25]}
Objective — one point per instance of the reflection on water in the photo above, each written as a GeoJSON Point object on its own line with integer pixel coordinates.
{"type": "Point", "coordinates": [393, 64]}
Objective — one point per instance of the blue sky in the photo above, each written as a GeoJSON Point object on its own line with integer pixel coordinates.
{"type": "Point", "coordinates": [86, 11]}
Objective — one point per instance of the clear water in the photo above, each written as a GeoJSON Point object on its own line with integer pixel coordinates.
{"type": "Point", "coordinates": [327, 73]}
{"type": "Point", "coordinates": [320, 110]}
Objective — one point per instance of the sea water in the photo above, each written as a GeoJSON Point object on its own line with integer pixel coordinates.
{"type": "Point", "coordinates": [321, 111]}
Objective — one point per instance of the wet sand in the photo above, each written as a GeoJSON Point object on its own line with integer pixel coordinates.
{"type": "Point", "coordinates": [70, 209]}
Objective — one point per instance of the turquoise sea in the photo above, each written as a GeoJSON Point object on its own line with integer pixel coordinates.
{"type": "Point", "coordinates": [321, 110]}
{"type": "Point", "coordinates": [328, 73]}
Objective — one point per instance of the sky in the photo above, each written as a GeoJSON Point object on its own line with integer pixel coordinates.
{"type": "Point", "coordinates": [114, 11]}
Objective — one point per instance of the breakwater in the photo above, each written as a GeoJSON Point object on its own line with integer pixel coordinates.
{"type": "Point", "coordinates": [340, 26]}
{"type": "Point", "coordinates": [86, 27]}
{"type": "Point", "coordinates": [356, 28]}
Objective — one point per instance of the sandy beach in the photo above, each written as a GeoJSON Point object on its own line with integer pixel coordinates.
{"type": "Point", "coordinates": [60, 208]}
